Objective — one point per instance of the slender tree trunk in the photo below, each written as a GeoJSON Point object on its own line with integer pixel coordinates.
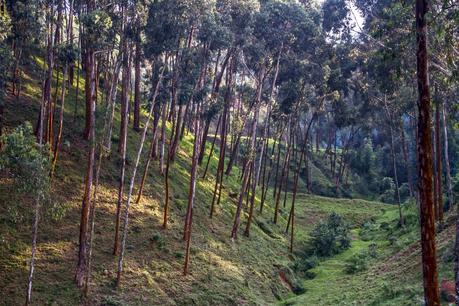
{"type": "Point", "coordinates": [211, 147]}
{"type": "Point", "coordinates": [429, 263]}
{"type": "Point", "coordinates": [191, 194]}
{"type": "Point", "coordinates": [149, 157]}
{"type": "Point", "coordinates": [253, 174]}
{"type": "Point", "coordinates": [394, 166]}
{"type": "Point", "coordinates": [449, 183]}
{"type": "Point", "coordinates": [277, 166]}
{"type": "Point", "coordinates": [138, 54]}
{"type": "Point", "coordinates": [122, 144]}
{"type": "Point", "coordinates": [57, 147]}
{"type": "Point", "coordinates": [124, 99]}
{"type": "Point", "coordinates": [90, 71]}
{"type": "Point", "coordinates": [103, 151]}
{"type": "Point", "coordinates": [407, 162]}
{"type": "Point", "coordinates": [163, 139]}
{"type": "Point", "coordinates": [221, 161]}
{"type": "Point", "coordinates": [82, 253]}
{"type": "Point", "coordinates": [132, 181]}
{"type": "Point", "coordinates": [438, 153]}
{"type": "Point", "coordinates": [34, 251]}
{"type": "Point", "coordinates": [284, 167]}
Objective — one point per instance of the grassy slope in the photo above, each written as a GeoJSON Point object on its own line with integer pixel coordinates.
{"type": "Point", "coordinates": [222, 272]}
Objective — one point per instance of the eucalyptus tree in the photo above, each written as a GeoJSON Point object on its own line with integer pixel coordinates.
{"type": "Point", "coordinates": [96, 24]}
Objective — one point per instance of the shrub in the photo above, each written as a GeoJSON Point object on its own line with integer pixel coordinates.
{"type": "Point", "coordinates": [392, 240]}
{"type": "Point", "coordinates": [372, 250]}
{"type": "Point", "coordinates": [356, 263]}
{"type": "Point", "coordinates": [28, 166]}
{"type": "Point", "coordinates": [302, 265]}
{"type": "Point", "coordinates": [331, 236]}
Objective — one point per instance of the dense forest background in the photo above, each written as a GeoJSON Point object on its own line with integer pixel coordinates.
{"type": "Point", "coordinates": [313, 128]}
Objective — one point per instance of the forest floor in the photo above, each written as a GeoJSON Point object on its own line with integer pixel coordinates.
{"type": "Point", "coordinates": [222, 272]}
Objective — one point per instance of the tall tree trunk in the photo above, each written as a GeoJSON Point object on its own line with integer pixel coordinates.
{"type": "Point", "coordinates": [57, 146]}
{"type": "Point", "coordinates": [124, 99]}
{"type": "Point", "coordinates": [122, 147]}
{"type": "Point", "coordinates": [429, 257]}
{"type": "Point", "coordinates": [223, 135]}
{"type": "Point", "coordinates": [104, 150]}
{"type": "Point", "coordinates": [191, 194]}
{"type": "Point", "coordinates": [71, 38]}
{"type": "Point", "coordinates": [82, 252]}
{"type": "Point", "coordinates": [132, 181]}
{"type": "Point", "coordinates": [90, 71]}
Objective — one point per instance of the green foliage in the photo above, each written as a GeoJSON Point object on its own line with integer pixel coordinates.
{"type": "Point", "coordinates": [357, 263]}
{"type": "Point", "coordinates": [66, 53]}
{"type": "Point", "coordinates": [303, 264]}
{"type": "Point", "coordinates": [97, 28]}
{"type": "Point", "coordinates": [22, 160]}
{"type": "Point", "coordinates": [331, 236]}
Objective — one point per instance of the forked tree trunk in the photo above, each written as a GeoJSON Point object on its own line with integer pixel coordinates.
{"type": "Point", "coordinates": [429, 256]}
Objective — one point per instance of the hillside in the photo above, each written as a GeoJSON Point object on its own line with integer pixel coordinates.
{"type": "Point", "coordinates": [244, 272]}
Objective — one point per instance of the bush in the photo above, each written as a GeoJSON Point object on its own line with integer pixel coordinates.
{"type": "Point", "coordinates": [28, 165]}
{"type": "Point", "coordinates": [356, 263]}
{"type": "Point", "coordinates": [372, 250]}
{"type": "Point", "coordinates": [302, 265]}
{"type": "Point", "coordinates": [331, 236]}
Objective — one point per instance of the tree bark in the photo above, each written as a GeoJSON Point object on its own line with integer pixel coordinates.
{"type": "Point", "coordinates": [429, 263]}
{"type": "Point", "coordinates": [82, 252]}
{"type": "Point", "coordinates": [137, 77]}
